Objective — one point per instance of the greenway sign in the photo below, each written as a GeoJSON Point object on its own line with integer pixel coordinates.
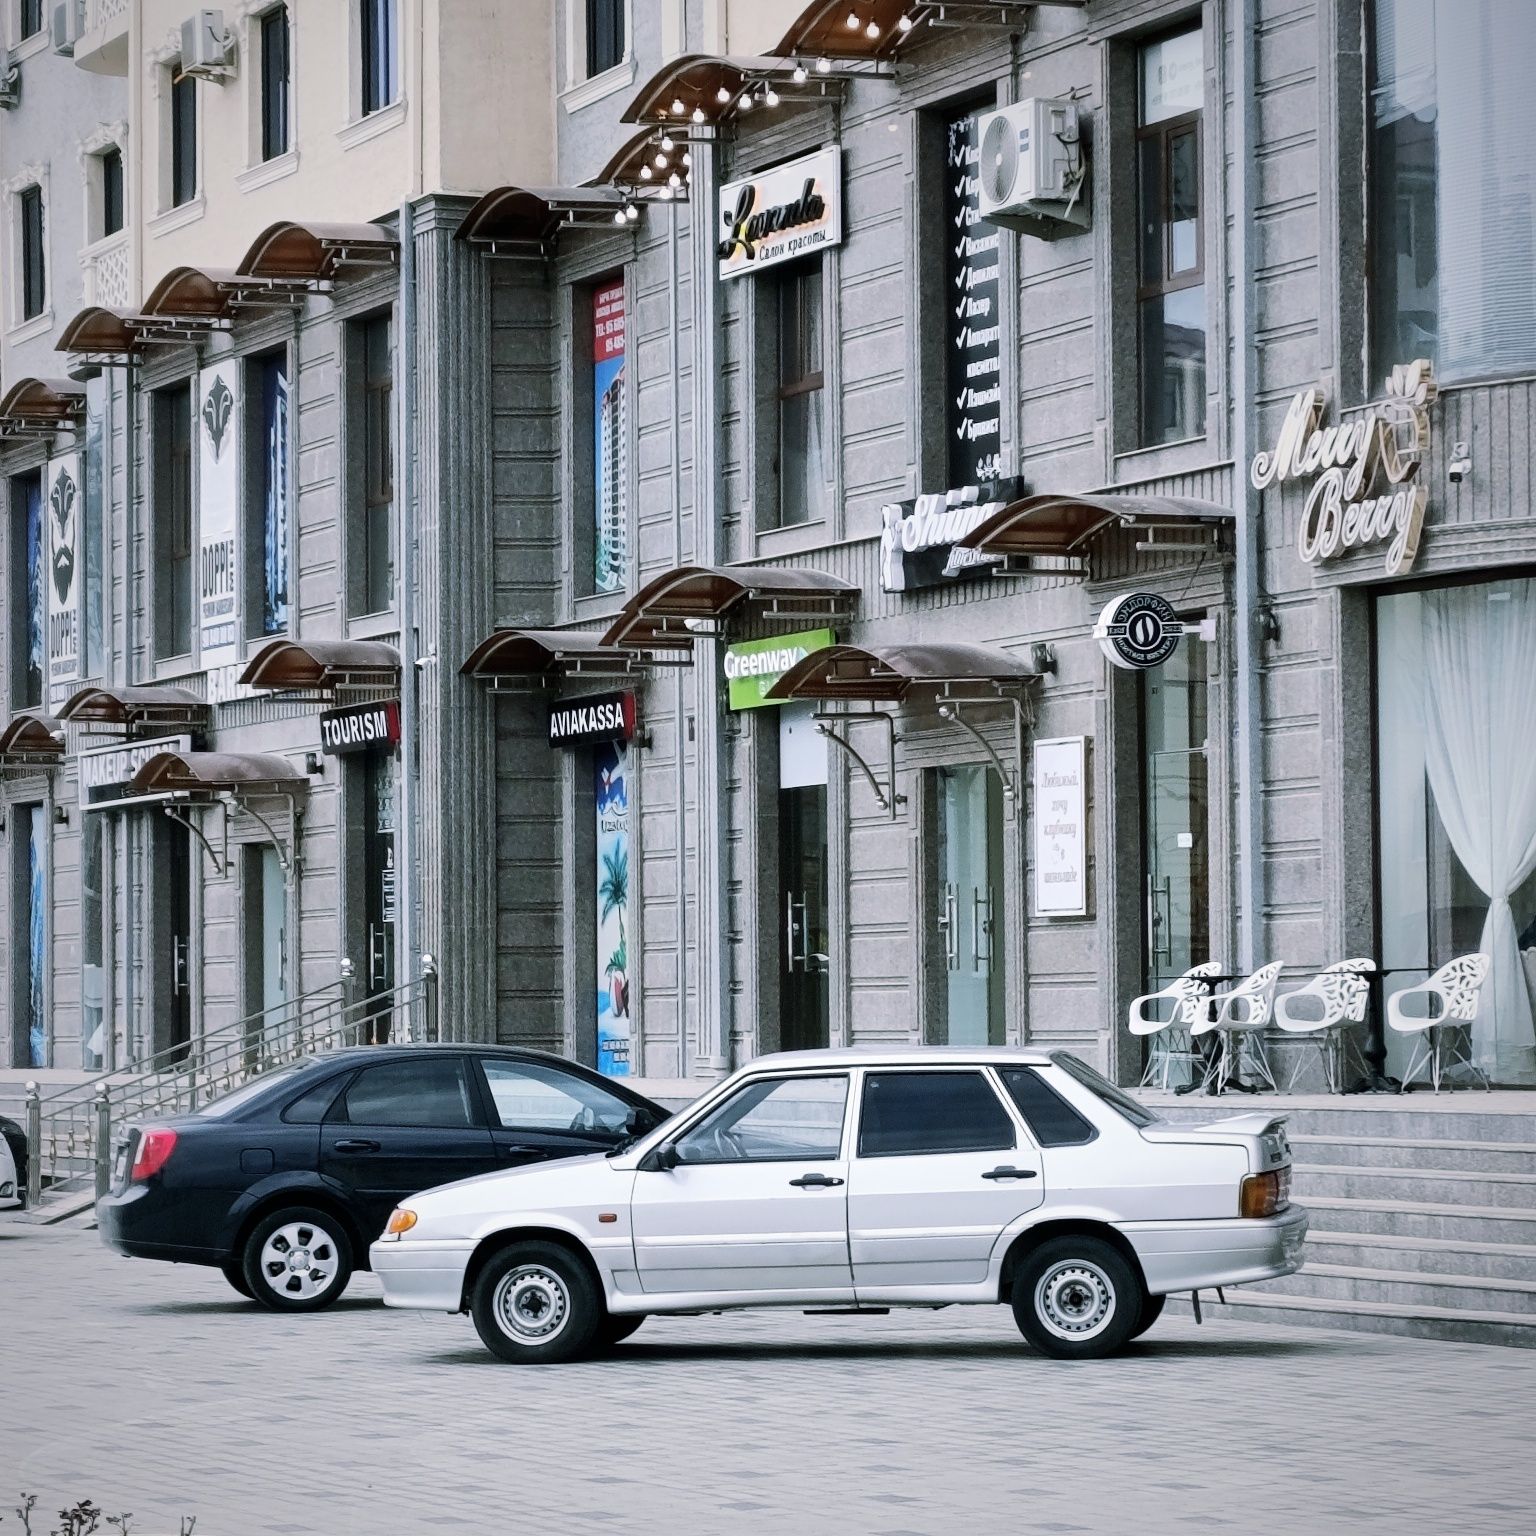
{"type": "Point", "coordinates": [754, 666]}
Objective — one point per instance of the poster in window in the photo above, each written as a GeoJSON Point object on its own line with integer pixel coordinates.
{"type": "Point", "coordinates": [37, 605]}
{"type": "Point", "coordinates": [92, 540]}
{"type": "Point", "coordinates": [610, 783]}
{"type": "Point", "coordinates": [218, 482]}
{"type": "Point", "coordinates": [64, 513]}
{"type": "Point", "coordinates": [610, 437]}
{"type": "Point", "coordinates": [1061, 832]}
{"type": "Point", "coordinates": [973, 351]}
{"type": "Point", "coordinates": [274, 516]}
{"type": "Point", "coordinates": [37, 940]}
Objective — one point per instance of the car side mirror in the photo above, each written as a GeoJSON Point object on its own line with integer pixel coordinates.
{"type": "Point", "coordinates": [641, 1121]}
{"type": "Point", "coordinates": [662, 1159]}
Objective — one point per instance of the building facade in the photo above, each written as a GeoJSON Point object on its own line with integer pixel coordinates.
{"type": "Point", "coordinates": [765, 498]}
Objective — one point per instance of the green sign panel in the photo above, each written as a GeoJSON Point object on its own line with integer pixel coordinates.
{"type": "Point", "coordinates": [754, 666]}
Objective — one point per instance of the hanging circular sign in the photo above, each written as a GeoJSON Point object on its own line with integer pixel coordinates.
{"type": "Point", "coordinates": [1139, 630]}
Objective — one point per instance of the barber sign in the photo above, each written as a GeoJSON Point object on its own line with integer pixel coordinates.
{"type": "Point", "coordinates": [1140, 630]}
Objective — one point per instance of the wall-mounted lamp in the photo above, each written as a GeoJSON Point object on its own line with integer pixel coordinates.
{"type": "Point", "coordinates": [60, 815]}
{"type": "Point", "coordinates": [1042, 657]}
{"type": "Point", "coordinates": [314, 765]}
{"type": "Point", "coordinates": [1266, 625]}
{"type": "Point", "coordinates": [1460, 465]}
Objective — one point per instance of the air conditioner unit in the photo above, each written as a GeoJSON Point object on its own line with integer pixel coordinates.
{"type": "Point", "coordinates": [1032, 172]}
{"type": "Point", "coordinates": [206, 47]}
{"type": "Point", "coordinates": [10, 79]}
{"type": "Point", "coordinates": [66, 23]}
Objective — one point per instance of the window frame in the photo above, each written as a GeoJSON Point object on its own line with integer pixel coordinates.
{"type": "Point", "coordinates": [801, 279]}
{"type": "Point", "coordinates": [363, 506]}
{"type": "Point", "coordinates": [108, 184]}
{"type": "Point", "coordinates": [173, 571]}
{"type": "Point", "coordinates": [977, 1071]}
{"type": "Point", "coordinates": [617, 27]}
{"type": "Point", "coordinates": [32, 251]}
{"type": "Point", "coordinates": [271, 143]}
{"type": "Point", "coordinates": [253, 493]}
{"type": "Point", "coordinates": [184, 181]}
{"type": "Point", "coordinates": [18, 597]}
{"type": "Point", "coordinates": [377, 92]}
{"type": "Point", "coordinates": [25, 9]}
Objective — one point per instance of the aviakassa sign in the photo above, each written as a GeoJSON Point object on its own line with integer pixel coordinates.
{"type": "Point", "coordinates": [601, 717]}
{"type": "Point", "coordinates": [783, 213]}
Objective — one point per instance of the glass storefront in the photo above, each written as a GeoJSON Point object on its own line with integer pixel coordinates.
{"type": "Point", "coordinates": [1456, 802]}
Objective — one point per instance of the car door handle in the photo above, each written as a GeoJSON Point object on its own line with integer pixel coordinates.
{"type": "Point", "coordinates": [814, 1181]}
{"type": "Point", "coordinates": [1010, 1173]}
{"type": "Point", "coordinates": [356, 1146]}
{"type": "Point", "coordinates": [533, 1154]}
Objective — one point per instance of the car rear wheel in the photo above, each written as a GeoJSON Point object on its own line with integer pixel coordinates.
{"type": "Point", "coordinates": [297, 1260]}
{"type": "Point", "coordinates": [1151, 1310]}
{"type": "Point", "coordinates": [536, 1304]}
{"type": "Point", "coordinates": [1076, 1298]}
{"type": "Point", "coordinates": [614, 1329]}
{"type": "Point", "coordinates": [234, 1272]}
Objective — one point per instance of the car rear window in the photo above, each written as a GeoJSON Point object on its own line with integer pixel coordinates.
{"type": "Point", "coordinates": [1117, 1098]}
{"type": "Point", "coordinates": [237, 1098]}
{"type": "Point", "coordinates": [908, 1114]}
{"type": "Point", "coordinates": [1052, 1121]}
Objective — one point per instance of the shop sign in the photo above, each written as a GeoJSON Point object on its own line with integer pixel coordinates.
{"type": "Point", "coordinates": [218, 495]}
{"type": "Point", "coordinates": [918, 538]}
{"type": "Point", "coordinates": [1061, 835]}
{"type": "Point", "coordinates": [598, 718]}
{"type": "Point", "coordinates": [360, 727]}
{"type": "Point", "coordinates": [105, 772]}
{"type": "Point", "coordinates": [610, 785]}
{"type": "Point", "coordinates": [787, 212]}
{"type": "Point", "coordinates": [1141, 630]}
{"type": "Point", "coordinates": [1366, 467]}
{"type": "Point", "coordinates": [752, 667]}
{"type": "Point", "coordinates": [63, 510]}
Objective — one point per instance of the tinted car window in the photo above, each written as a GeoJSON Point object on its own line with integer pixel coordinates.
{"type": "Point", "coordinates": [311, 1106]}
{"type": "Point", "coordinates": [908, 1113]}
{"type": "Point", "coordinates": [782, 1119]}
{"type": "Point", "coordinates": [532, 1096]}
{"type": "Point", "coordinates": [239, 1097]}
{"type": "Point", "coordinates": [1116, 1098]}
{"type": "Point", "coordinates": [432, 1092]}
{"type": "Point", "coordinates": [1052, 1120]}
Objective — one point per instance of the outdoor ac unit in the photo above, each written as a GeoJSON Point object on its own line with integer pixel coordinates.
{"type": "Point", "coordinates": [206, 46]}
{"type": "Point", "coordinates": [10, 79]}
{"type": "Point", "coordinates": [66, 25]}
{"type": "Point", "coordinates": [1031, 168]}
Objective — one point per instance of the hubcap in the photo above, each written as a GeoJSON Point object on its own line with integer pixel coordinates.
{"type": "Point", "coordinates": [531, 1304]}
{"type": "Point", "coordinates": [1075, 1300]}
{"type": "Point", "coordinates": [300, 1260]}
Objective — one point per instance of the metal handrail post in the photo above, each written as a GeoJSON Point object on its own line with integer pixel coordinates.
{"type": "Point", "coordinates": [103, 1144]}
{"type": "Point", "coordinates": [429, 992]}
{"type": "Point", "coordinates": [34, 1146]}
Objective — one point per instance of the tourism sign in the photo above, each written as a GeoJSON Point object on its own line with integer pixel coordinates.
{"type": "Point", "coordinates": [752, 667]}
{"type": "Point", "coordinates": [777, 215]}
{"type": "Point", "coordinates": [360, 727]}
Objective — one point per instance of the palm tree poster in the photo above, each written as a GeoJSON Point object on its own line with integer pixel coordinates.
{"type": "Point", "coordinates": [611, 792]}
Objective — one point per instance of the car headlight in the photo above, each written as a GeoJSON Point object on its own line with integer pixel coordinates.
{"type": "Point", "coordinates": [401, 1220]}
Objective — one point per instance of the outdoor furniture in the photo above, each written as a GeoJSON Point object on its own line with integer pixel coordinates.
{"type": "Point", "coordinates": [1240, 1017]}
{"type": "Point", "coordinates": [1452, 994]}
{"type": "Point", "coordinates": [1171, 1036]}
{"type": "Point", "coordinates": [1323, 1010]}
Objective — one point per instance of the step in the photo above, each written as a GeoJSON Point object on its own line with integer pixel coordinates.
{"type": "Point", "coordinates": [1465, 1326]}
{"type": "Point", "coordinates": [1508, 1115]}
{"type": "Point", "coordinates": [1473, 1156]}
{"type": "Point", "coordinates": [1434, 1186]}
{"type": "Point", "coordinates": [1349, 1282]}
{"type": "Point", "coordinates": [1416, 1218]}
{"type": "Point", "coordinates": [1430, 1255]}
{"type": "Point", "coordinates": [54, 1209]}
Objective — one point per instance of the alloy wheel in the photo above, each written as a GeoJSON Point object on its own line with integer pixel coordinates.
{"type": "Point", "coordinates": [299, 1260]}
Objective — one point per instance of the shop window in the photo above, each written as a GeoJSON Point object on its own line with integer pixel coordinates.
{"type": "Point", "coordinates": [27, 597]}
{"type": "Point", "coordinates": [274, 38]}
{"type": "Point", "coordinates": [380, 41]}
{"type": "Point", "coordinates": [93, 534]}
{"type": "Point", "coordinates": [34, 255]}
{"type": "Point", "coordinates": [799, 350]}
{"type": "Point", "coordinates": [29, 1045]}
{"type": "Point", "coordinates": [603, 436]}
{"type": "Point", "coordinates": [605, 35]}
{"type": "Point", "coordinates": [268, 495]}
{"type": "Point", "coordinates": [183, 138]}
{"type": "Point", "coordinates": [1453, 190]}
{"type": "Point", "coordinates": [172, 529]}
{"type": "Point", "coordinates": [1170, 293]}
{"type": "Point", "coordinates": [1456, 803]}
{"type": "Point", "coordinates": [805, 1003]}
{"type": "Point", "coordinates": [370, 545]}
{"type": "Point", "coordinates": [109, 196]}
{"type": "Point", "coordinates": [94, 1044]}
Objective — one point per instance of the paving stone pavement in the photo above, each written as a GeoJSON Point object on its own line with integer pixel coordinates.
{"type": "Point", "coordinates": [155, 1389]}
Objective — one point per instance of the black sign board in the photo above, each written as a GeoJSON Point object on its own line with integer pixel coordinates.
{"type": "Point", "coordinates": [360, 727]}
{"type": "Point", "coordinates": [973, 343]}
{"type": "Point", "coordinates": [596, 718]}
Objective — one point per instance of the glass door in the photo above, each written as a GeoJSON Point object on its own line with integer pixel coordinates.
{"type": "Point", "coordinates": [1176, 833]}
{"type": "Point", "coordinates": [177, 931]}
{"type": "Point", "coordinates": [970, 860]}
{"type": "Point", "coordinates": [379, 887]}
{"type": "Point", "coordinates": [804, 995]}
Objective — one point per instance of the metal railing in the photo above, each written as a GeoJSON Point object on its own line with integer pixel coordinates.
{"type": "Point", "coordinates": [70, 1131]}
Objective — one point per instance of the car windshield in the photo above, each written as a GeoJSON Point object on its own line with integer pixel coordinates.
{"type": "Point", "coordinates": [239, 1097]}
{"type": "Point", "coordinates": [1117, 1098]}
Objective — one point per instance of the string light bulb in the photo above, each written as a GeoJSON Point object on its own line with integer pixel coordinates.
{"type": "Point", "coordinates": [661, 162]}
{"type": "Point", "coordinates": [905, 24]}
{"type": "Point", "coordinates": [666, 194]}
{"type": "Point", "coordinates": [632, 213]}
{"type": "Point", "coordinates": [667, 143]}
{"type": "Point", "coordinates": [677, 106]}
{"type": "Point", "coordinates": [746, 101]}
{"type": "Point", "coordinates": [853, 21]}
{"type": "Point", "coordinates": [619, 217]}
{"type": "Point", "coordinates": [771, 97]}
{"type": "Point", "coordinates": [872, 31]}
{"type": "Point", "coordinates": [799, 75]}
{"type": "Point", "coordinates": [723, 95]}
{"type": "Point", "coordinates": [688, 159]}
{"type": "Point", "coordinates": [823, 65]}
{"type": "Point", "coordinates": [698, 114]}
{"type": "Point", "coordinates": [674, 180]}
{"type": "Point", "coordinates": [645, 173]}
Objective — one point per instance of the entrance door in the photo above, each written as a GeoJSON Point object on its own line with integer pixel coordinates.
{"type": "Point", "coordinates": [266, 951]}
{"type": "Point", "coordinates": [379, 885]}
{"type": "Point", "coordinates": [969, 917]}
{"type": "Point", "coordinates": [1176, 833]}
{"type": "Point", "coordinates": [804, 996]}
{"type": "Point", "coordinates": [177, 930]}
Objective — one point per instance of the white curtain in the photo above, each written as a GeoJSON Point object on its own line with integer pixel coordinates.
{"type": "Point", "coordinates": [1480, 754]}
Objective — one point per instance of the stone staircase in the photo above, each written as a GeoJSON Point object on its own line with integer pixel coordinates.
{"type": "Point", "coordinates": [1423, 1214]}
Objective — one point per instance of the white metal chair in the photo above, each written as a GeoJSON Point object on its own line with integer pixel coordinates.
{"type": "Point", "coordinates": [1240, 1018]}
{"type": "Point", "coordinates": [1445, 1044]}
{"type": "Point", "coordinates": [1338, 996]}
{"type": "Point", "coordinates": [1172, 1040]}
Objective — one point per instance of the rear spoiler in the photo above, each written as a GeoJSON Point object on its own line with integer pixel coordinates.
{"type": "Point", "coordinates": [1255, 1123]}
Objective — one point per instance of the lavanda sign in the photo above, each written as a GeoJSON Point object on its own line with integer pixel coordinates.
{"type": "Point", "coordinates": [1391, 437]}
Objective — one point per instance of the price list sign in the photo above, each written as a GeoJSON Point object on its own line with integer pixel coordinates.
{"type": "Point", "coordinates": [973, 346]}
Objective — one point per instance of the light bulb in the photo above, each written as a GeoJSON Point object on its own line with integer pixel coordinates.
{"type": "Point", "coordinates": [667, 144]}
{"type": "Point", "coordinates": [632, 213]}
{"type": "Point", "coordinates": [619, 217]}
{"type": "Point", "coordinates": [677, 106]}
{"type": "Point", "coordinates": [645, 173]}
{"type": "Point", "coordinates": [772, 97]}
{"type": "Point", "coordinates": [661, 162]}
{"type": "Point", "coordinates": [872, 31]}
{"type": "Point", "coordinates": [723, 95]}
{"type": "Point", "coordinates": [666, 194]}
{"type": "Point", "coordinates": [853, 21]}
{"type": "Point", "coordinates": [905, 24]}
{"type": "Point", "coordinates": [799, 76]}
{"type": "Point", "coordinates": [698, 114]}
{"type": "Point", "coordinates": [746, 102]}
{"type": "Point", "coordinates": [823, 65]}
{"type": "Point", "coordinates": [674, 180]}
{"type": "Point", "coordinates": [687, 158]}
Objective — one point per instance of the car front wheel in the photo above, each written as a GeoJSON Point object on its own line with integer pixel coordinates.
{"type": "Point", "coordinates": [297, 1260]}
{"type": "Point", "coordinates": [1076, 1298]}
{"type": "Point", "coordinates": [536, 1304]}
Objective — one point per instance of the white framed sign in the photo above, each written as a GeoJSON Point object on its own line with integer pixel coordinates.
{"type": "Point", "coordinates": [63, 508]}
{"type": "Point", "coordinates": [105, 772]}
{"type": "Point", "coordinates": [787, 212]}
{"type": "Point", "coordinates": [218, 500]}
{"type": "Point", "coordinates": [1061, 827]}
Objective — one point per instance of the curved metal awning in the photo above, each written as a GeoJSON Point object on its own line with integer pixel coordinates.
{"type": "Point", "coordinates": [190, 293]}
{"type": "Point", "coordinates": [323, 667]}
{"type": "Point", "coordinates": [547, 655]}
{"type": "Point", "coordinates": [41, 407]}
{"type": "Point", "coordinates": [1063, 526]}
{"type": "Point", "coordinates": [699, 88]}
{"type": "Point", "coordinates": [520, 221]}
{"type": "Point", "coordinates": [108, 335]}
{"type": "Point", "coordinates": [695, 600]}
{"type": "Point", "coordinates": [646, 165]}
{"type": "Point", "coordinates": [135, 706]}
{"type": "Point", "coordinates": [315, 253]}
{"type": "Point", "coordinates": [867, 31]}
{"type": "Point", "coordinates": [887, 674]}
{"type": "Point", "coordinates": [211, 773]}
{"type": "Point", "coordinates": [30, 741]}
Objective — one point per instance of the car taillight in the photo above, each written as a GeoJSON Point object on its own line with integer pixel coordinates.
{"type": "Point", "coordinates": [1265, 1194]}
{"type": "Point", "coordinates": [153, 1152]}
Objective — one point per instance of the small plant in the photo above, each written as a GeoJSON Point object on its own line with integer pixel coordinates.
{"type": "Point", "coordinates": [24, 1511]}
{"type": "Point", "coordinates": [79, 1519]}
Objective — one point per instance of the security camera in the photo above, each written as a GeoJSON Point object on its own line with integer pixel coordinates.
{"type": "Point", "coordinates": [1460, 465]}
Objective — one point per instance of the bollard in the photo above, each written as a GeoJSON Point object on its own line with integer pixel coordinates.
{"type": "Point", "coordinates": [103, 1143]}
{"type": "Point", "coordinates": [34, 1147]}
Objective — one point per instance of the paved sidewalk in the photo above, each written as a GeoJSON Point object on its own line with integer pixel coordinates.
{"type": "Point", "coordinates": [155, 1389]}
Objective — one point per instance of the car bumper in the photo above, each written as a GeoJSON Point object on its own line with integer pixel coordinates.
{"type": "Point", "coordinates": [133, 1222]}
{"type": "Point", "coordinates": [1198, 1255]}
{"type": "Point", "coordinates": [426, 1275]}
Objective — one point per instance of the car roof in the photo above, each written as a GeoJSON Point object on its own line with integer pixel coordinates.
{"type": "Point", "coordinates": [907, 1056]}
